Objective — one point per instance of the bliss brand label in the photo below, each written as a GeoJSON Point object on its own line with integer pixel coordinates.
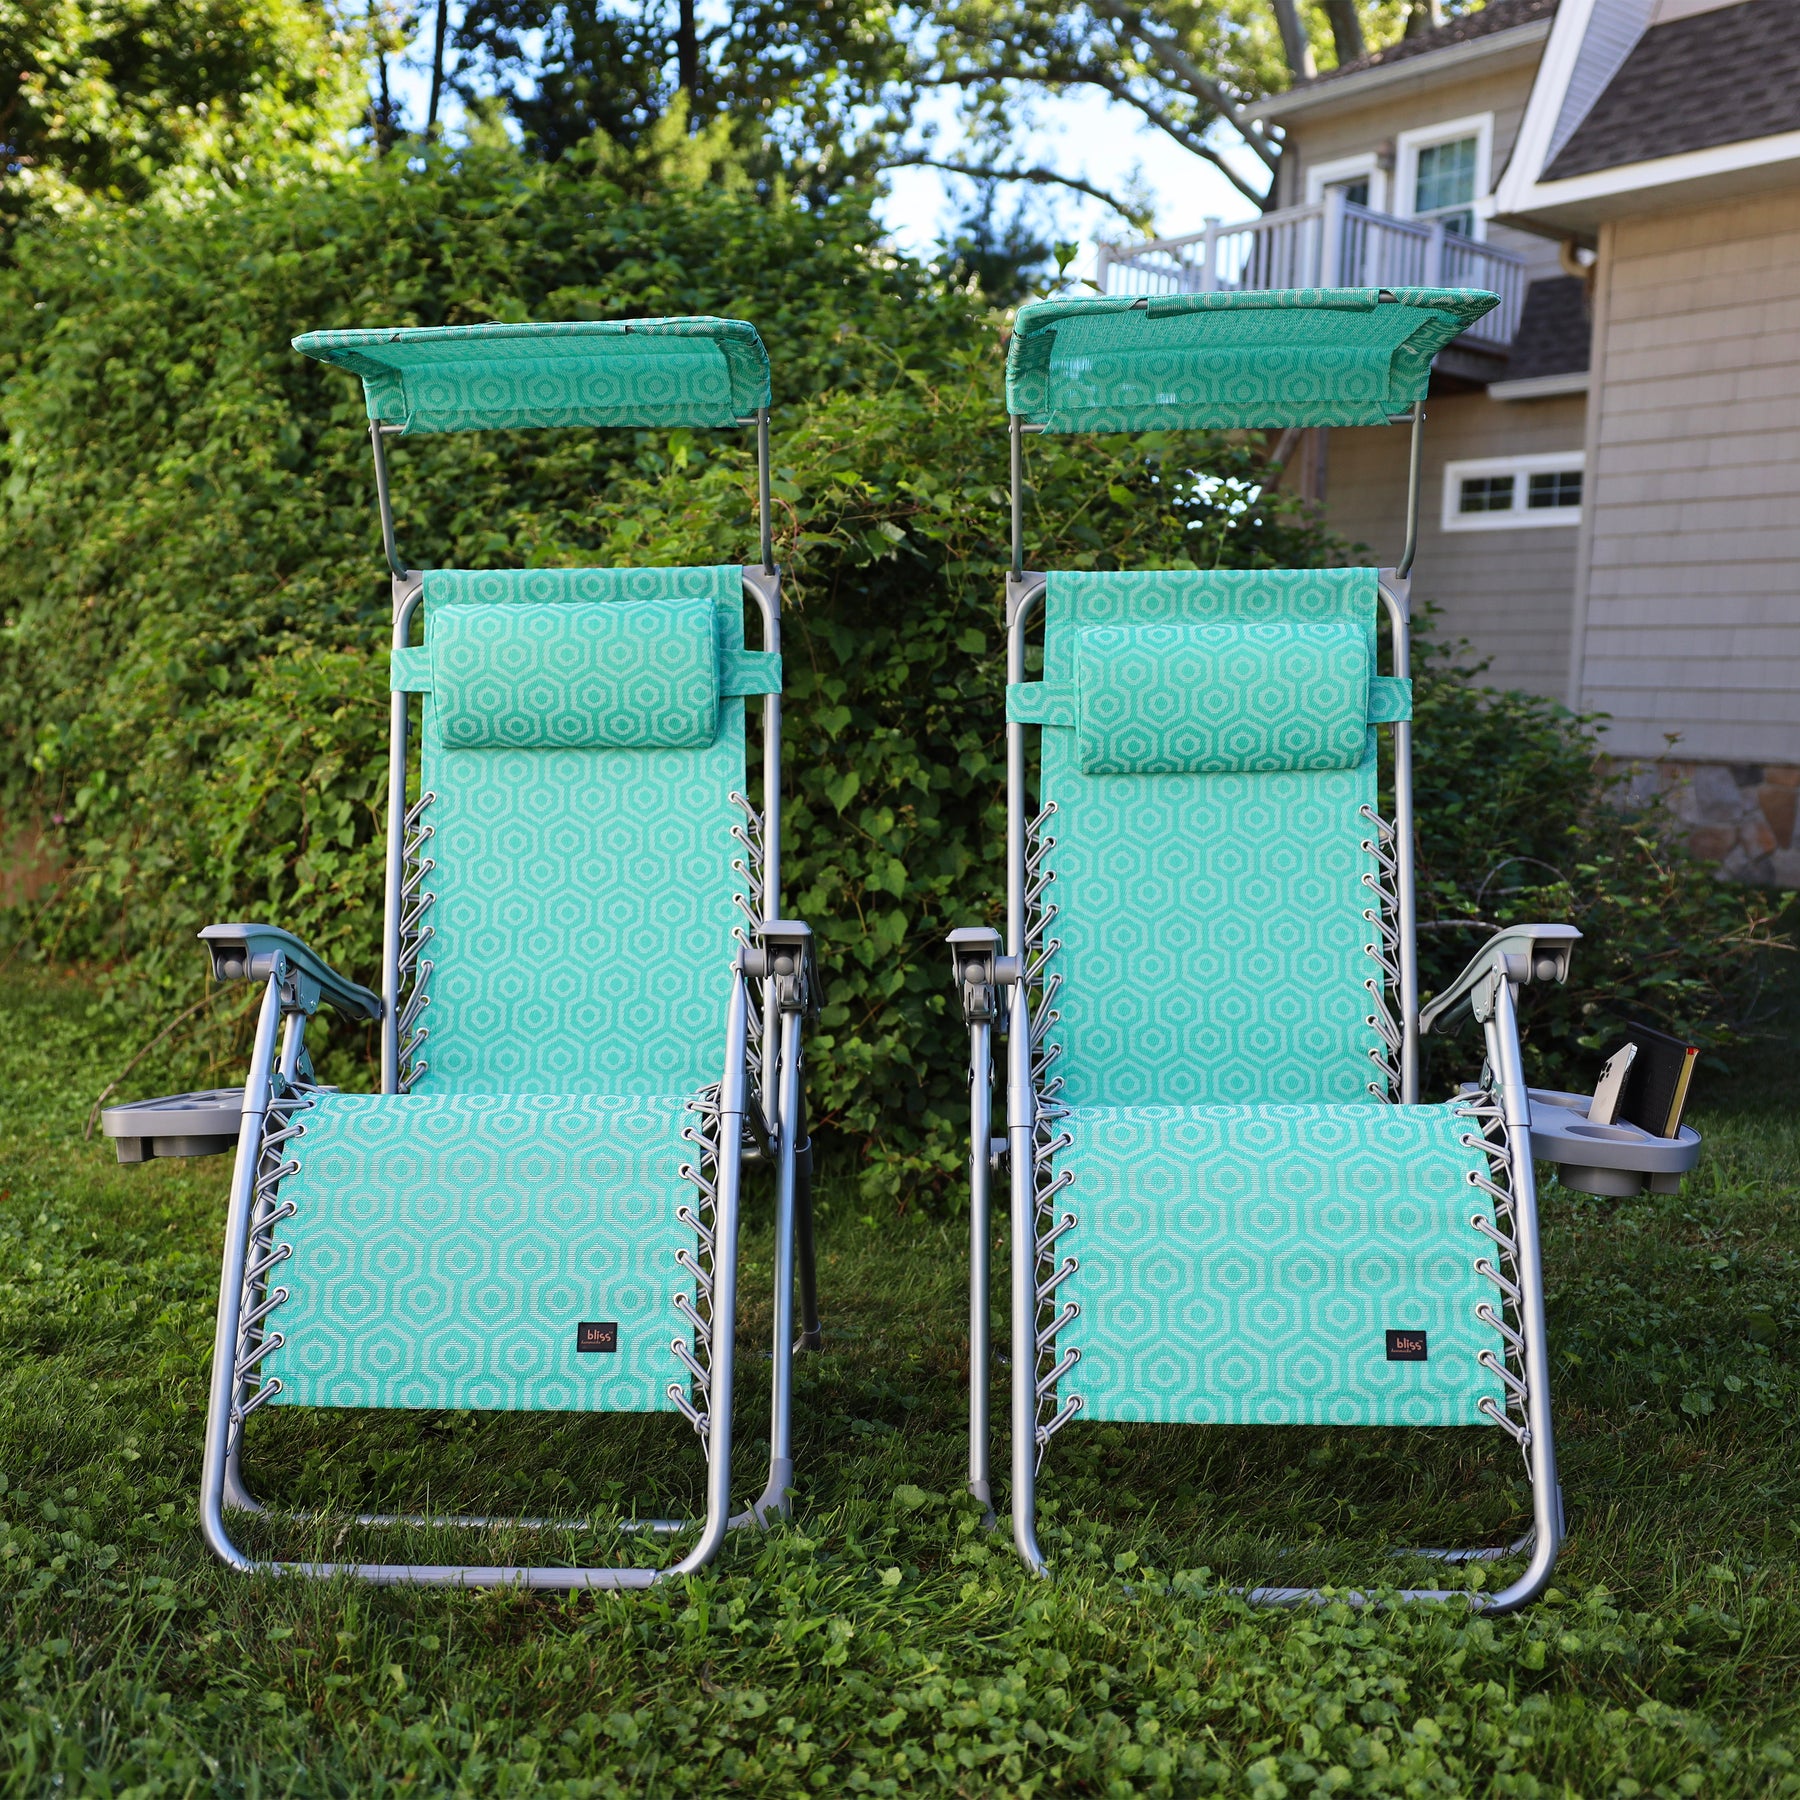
{"type": "Point", "coordinates": [603, 1335]}
{"type": "Point", "coordinates": [1406, 1346]}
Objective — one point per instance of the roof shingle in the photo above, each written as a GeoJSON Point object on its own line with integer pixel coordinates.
{"type": "Point", "coordinates": [1497, 15]}
{"type": "Point", "coordinates": [1554, 330]}
{"type": "Point", "coordinates": [1715, 77]}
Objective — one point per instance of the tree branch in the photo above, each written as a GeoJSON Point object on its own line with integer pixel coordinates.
{"type": "Point", "coordinates": [1296, 46]}
{"type": "Point", "coordinates": [1039, 177]}
{"type": "Point", "coordinates": [1346, 30]}
{"type": "Point", "coordinates": [1189, 140]}
{"type": "Point", "coordinates": [1180, 64]}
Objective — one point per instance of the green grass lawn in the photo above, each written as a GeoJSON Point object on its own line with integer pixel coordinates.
{"type": "Point", "coordinates": [883, 1643]}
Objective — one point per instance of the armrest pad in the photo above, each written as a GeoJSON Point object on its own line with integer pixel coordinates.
{"type": "Point", "coordinates": [1519, 954]}
{"type": "Point", "coordinates": [255, 952]}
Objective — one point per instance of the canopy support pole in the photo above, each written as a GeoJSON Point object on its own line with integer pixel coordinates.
{"type": "Point", "coordinates": [1017, 427]}
{"type": "Point", "coordinates": [383, 496]}
{"type": "Point", "coordinates": [1414, 471]}
{"type": "Point", "coordinates": [762, 488]}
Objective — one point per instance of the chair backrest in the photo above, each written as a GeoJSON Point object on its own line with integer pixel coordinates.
{"type": "Point", "coordinates": [1208, 748]}
{"type": "Point", "coordinates": [583, 739]}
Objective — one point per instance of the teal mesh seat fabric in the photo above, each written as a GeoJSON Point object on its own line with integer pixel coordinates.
{"type": "Point", "coordinates": [447, 1248]}
{"type": "Point", "coordinates": [688, 371]}
{"type": "Point", "coordinates": [1213, 943]}
{"type": "Point", "coordinates": [1243, 1265]}
{"type": "Point", "coordinates": [582, 911]}
{"type": "Point", "coordinates": [579, 909]}
{"type": "Point", "coordinates": [1298, 356]}
{"type": "Point", "coordinates": [1250, 1218]}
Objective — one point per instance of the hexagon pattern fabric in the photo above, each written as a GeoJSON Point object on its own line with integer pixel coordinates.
{"type": "Point", "coordinates": [1242, 1265]}
{"type": "Point", "coordinates": [583, 897]}
{"type": "Point", "coordinates": [575, 674]}
{"type": "Point", "coordinates": [1214, 947]}
{"type": "Point", "coordinates": [685, 371]}
{"type": "Point", "coordinates": [1296, 356]}
{"type": "Point", "coordinates": [1225, 697]}
{"type": "Point", "coordinates": [446, 1248]}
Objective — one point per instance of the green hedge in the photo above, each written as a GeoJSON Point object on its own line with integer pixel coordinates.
{"type": "Point", "coordinates": [193, 663]}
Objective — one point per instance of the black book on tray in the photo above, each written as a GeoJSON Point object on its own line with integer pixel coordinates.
{"type": "Point", "coordinates": [1645, 1080]}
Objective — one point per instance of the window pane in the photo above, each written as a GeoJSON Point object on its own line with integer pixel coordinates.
{"type": "Point", "coordinates": [1556, 487]}
{"type": "Point", "coordinates": [1356, 192]}
{"type": "Point", "coordinates": [1446, 176]}
{"type": "Point", "coordinates": [1485, 494]}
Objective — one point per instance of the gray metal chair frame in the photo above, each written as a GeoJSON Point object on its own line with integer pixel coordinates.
{"type": "Point", "coordinates": [763, 1063]}
{"type": "Point", "coordinates": [1006, 991]}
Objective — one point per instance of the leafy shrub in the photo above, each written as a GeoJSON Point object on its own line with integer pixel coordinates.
{"type": "Point", "coordinates": [1521, 820]}
{"type": "Point", "coordinates": [192, 671]}
{"type": "Point", "coordinates": [196, 617]}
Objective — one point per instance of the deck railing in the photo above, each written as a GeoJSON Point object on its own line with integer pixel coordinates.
{"type": "Point", "coordinates": [1331, 243]}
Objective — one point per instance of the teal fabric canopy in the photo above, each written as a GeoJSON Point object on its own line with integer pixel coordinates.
{"type": "Point", "coordinates": [602, 372]}
{"type": "Point", "coordinates": [1298, 356]}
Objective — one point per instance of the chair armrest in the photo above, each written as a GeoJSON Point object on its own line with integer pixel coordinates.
{"type": "Point", "coordinates": [255, 952]}
{"type": "Point", "coordinates": [1517, 955]}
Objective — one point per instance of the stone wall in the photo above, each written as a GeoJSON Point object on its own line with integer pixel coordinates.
{"type": "Point", "coordinates": [1739, 815]}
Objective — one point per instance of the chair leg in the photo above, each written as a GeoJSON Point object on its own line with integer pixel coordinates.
{"type": "Point", "coordinates": [812, 1336]}
{"type": "Point", "coordinates": [220, 1484]}
{"type": "Point", "coordinates": [1020, 1126]}
{"type": "Point", "coordinates": [981, 1106]}
{"type": "Point", "coordinates": [774, 1501]}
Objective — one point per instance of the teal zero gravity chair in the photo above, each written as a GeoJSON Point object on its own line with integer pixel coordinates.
{"type": "Point", "coordinates": [590, 1011]}
{"type": "Point", "coordinates": [1228, 1205]}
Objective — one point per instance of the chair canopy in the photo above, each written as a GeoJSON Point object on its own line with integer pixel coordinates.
{"type": "Point", "coordinates": [1298, 356]}
{"type": "Point", "coordinates": [633, 372]}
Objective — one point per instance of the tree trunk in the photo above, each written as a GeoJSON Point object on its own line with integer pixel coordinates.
{"type": "Point", "coordinates": [1346, 29]}
{"type": "Point", "coordinates": [437, 68]}
{"type": "Point", "coordinates": [1423, 16]}
{"type": "Point", "coordinates": [1296, 46]}
{"type": "Point", "coordinates": [687, 53]}
{"type": "Point", "coordinates": [381, 107]}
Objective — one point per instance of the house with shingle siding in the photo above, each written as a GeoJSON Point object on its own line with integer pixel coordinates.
{"type": "Point", "coordinates": [1612, 503]}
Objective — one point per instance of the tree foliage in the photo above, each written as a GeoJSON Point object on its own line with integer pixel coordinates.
{"type": "Point", "coordinates": [1190, 68]}
{"type": "Point", "coordinates": [119, 98]}
{"type": "Point", "coordinates": [803, 88]}
{"type": "Point", "coordinates": [194, 613]}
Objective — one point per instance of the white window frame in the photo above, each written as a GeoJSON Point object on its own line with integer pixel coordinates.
{"type": "Point", "coordinates": [1320, 176]}
{"type": "Point", "coordinates": [1479, 126]}
{"type": "Point", "coordinates": [1520, 468]}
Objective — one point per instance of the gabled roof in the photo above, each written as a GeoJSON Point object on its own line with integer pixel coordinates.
{"type": "Point", "coordinates": [1716, 77]}
{"type": "Point", "coordinates": [1555, 329]}
{"type": "Point", "coordinates": [1499, 29]}
{"type": "Point", "coordinates": [1629, 113]}
{"type": "Point", "coordinates": [1497, 15]}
